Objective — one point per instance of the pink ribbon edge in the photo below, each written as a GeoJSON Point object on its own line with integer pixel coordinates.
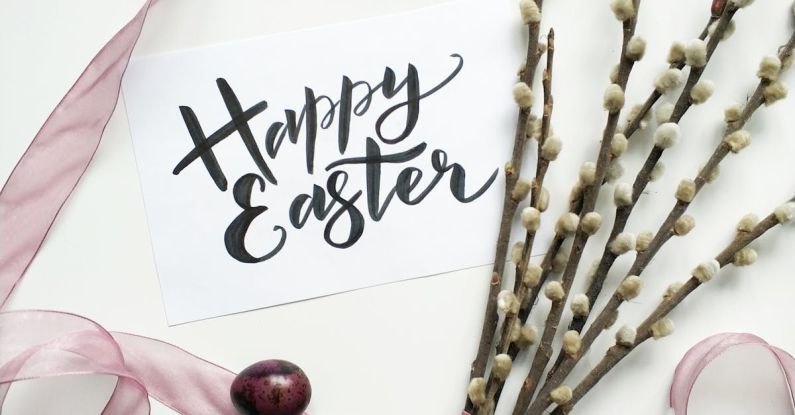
{"type": "Point", "coordinates": [707, 350]}
{"type": "Point", "coordinates": [37, 343]}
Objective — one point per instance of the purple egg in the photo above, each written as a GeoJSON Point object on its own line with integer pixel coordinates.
{"type": "Point", "coordinates": [271, 387]}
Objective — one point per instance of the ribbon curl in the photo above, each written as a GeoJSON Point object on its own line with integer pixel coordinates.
{"type": "Point", "coordinates": [38, 344]}
{"type": "Point", "coordinates": [703, 353]}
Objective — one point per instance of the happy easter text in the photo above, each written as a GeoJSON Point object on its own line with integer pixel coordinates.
{"type": "Point", "coordinates": [332, 202]}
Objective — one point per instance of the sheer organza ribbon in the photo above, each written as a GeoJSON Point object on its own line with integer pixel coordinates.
{"type": "Point", "coordinates": [37, 344]}
{"type": "Point", "coordinates": [703, 353]}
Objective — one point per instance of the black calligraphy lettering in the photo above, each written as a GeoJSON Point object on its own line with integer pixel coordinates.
{"type": "Point", "coordinates": [332, 204]}
{"type": "Point", "coordinates": [298, 216]}
{"type": "Point", "coordinates": [235, 111]}
{"type": "Point", "coordinates": [235, 236]}
{"type": "Point", "coordinates": [348, 207]}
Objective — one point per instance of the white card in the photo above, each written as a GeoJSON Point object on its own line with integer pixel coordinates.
{"type": "Point", "coordinates": [328, 220]}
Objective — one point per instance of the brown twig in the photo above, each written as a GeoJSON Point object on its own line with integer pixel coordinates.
{"type": "Point", "coordinates": [644, 332]}
{"type": "Point", "coordinates": [494, 386]}
{"type": "Point", "coordinates": [512, 171]}
{"type": "Point", "coordinates": [664, 233]}
{"type": "Point", "coordinates": [644, 175]}
{"type": "Point", "coordinates": [591, 192]}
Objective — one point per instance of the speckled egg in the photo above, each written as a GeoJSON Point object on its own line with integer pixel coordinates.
{"type": "Point", "coordinates": [271, 387]}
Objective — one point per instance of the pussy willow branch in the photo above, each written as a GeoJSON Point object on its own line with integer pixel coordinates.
{"type": "Point", "coordinates": [591, 192]}
{"type": "Point", "coordinates": [512, 171]}
{"type": "Point", "coordinates": [641, 181]}
{"type": "Point", "coordinates": [542, 164]}
{"type": "Point", "coordinates": [617, 352]}
{"type": "Point", "coordinates": [633, 125]}
{"type": "Point", "coordinates": [664, 233]}
{"type": "Point", "coordinates": [494, 387]}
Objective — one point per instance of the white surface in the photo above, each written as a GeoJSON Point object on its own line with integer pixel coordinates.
{"type": "Point", "coordinates": [189, 216]}
{"type": "Point", "coordinates": [401, 348]}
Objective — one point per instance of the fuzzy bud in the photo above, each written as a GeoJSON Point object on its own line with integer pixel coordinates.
{"type": "Point", "coordinates": [636, 48]}
{"type": "Point", "coordinates": [667, 135]}
{"type": "Point", "coordinates": [775, 92]}
{"type": "Point", "coordinates": [542, 204]}
{"type": "Point", "coordinates": [668, 80]}
{"type": "Point", "coordinates": [744, 257]}
{"type": "Point", "coordinates": [477, 391]}
{"type": "Point", "coordinates": [614, 171]}
{"type": "Point", "coordinates": [733, 113]}
{"type": "Point", "coordinates": [618, 145]}
{"type": "Point", "coordinates": [567, 224]}
{"type": "Point", "coordinates": [614, 98]}
{"type": "Point", "coordinates": [785, 213]}
{"type": "Point", "coordinates": [591, 222]}
{"type": "Point", "coordinates": [562, 394]}
{"type": "Point", "coordinates": [532, 275]}
{"type": "Point", "coordinates": [516, 252]}
{"type": "Point", "coordinates": [696, 53]}
{"type": "Point", "coordinates": [576, 192]}
{"type": "Point", "coordinates": [588, 173]}
{"type": "Point", "coordinates": [515, 330]}
{"type": "Point", "coordinates": [502, 366]}
{"type": "Point", "coordinates": [634, 113]}
{"type": "Point", "coordinates": [643, 241]}
{"type": "Point", "coordinates": [663, 327]}
{"type": "Point", "coordinates": [523, 95]}
{"type": "Point", "coordinates": [507, 302]}
{"type": "Point", "coordinates": [657, 171]}
{"type": "Point", "coordinates": [580, 305]}
{"type": "Point", "coordinates": [554, 291]}
{"type": "Point", "coordinates": [622, 194]}
{"type": "Point", "coordinates": [572, 343]}
{"type": "Point", "coordinates": [521, 190]}
{"type": "Point", "coordinates": [625, 336]}
{"type": "Point", "coordinates": [701, 92]}
{"type": "Point", "coordinates": [530, 12]}
{"type": "Point", "coordinates": [613, 77]}
{"type": "Point", "coordinates": [747, 223]}
{"type": "Point", "coordinates": [560, 261]}
{"type": "Point", "coordinates": [623, 9]}
{"type": "Point", "coordinates": [623, 243]}
{"type": "Point", "coordinates": [676, 54]}
{"type": "Point", "coordinates": [663, 113]}
{"type": "Point", "coordinates": [769, 68]}
{"type": "Point", "coordinates": [551, 148]}
{"type": "Point", "coordinates": [738, 140]}
{"type": "Point", "coordinates": [629, 288]}
{"type": "Point", "coordinates": [672, 290]}
{"type": "Point", "coordinates": [686, 191]}
{"type": "Point", "coordinates": [527, 336]}
{"type": "Point", "coordinates": [706, 270]}
{"type": "Point", "coordinates": [684, 225]}
{"type": "Point", "coordinates": [531, 218]}
{"type": "Point", "coordinates": [534, 127]}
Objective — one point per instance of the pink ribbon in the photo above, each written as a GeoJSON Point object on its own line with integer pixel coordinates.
{"type": "Point", "coordinates": [703, 353]}
{"type": "Point", "coordinates": [59, 154]}
{"type": "Point", "coordinates": [37, 344]}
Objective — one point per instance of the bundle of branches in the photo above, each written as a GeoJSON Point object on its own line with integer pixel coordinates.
{"type": "Point", "coordinates": [506, 329]}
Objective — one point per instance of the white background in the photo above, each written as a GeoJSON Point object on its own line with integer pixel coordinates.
{"type": "Point", "coordinates": [406, 348]}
